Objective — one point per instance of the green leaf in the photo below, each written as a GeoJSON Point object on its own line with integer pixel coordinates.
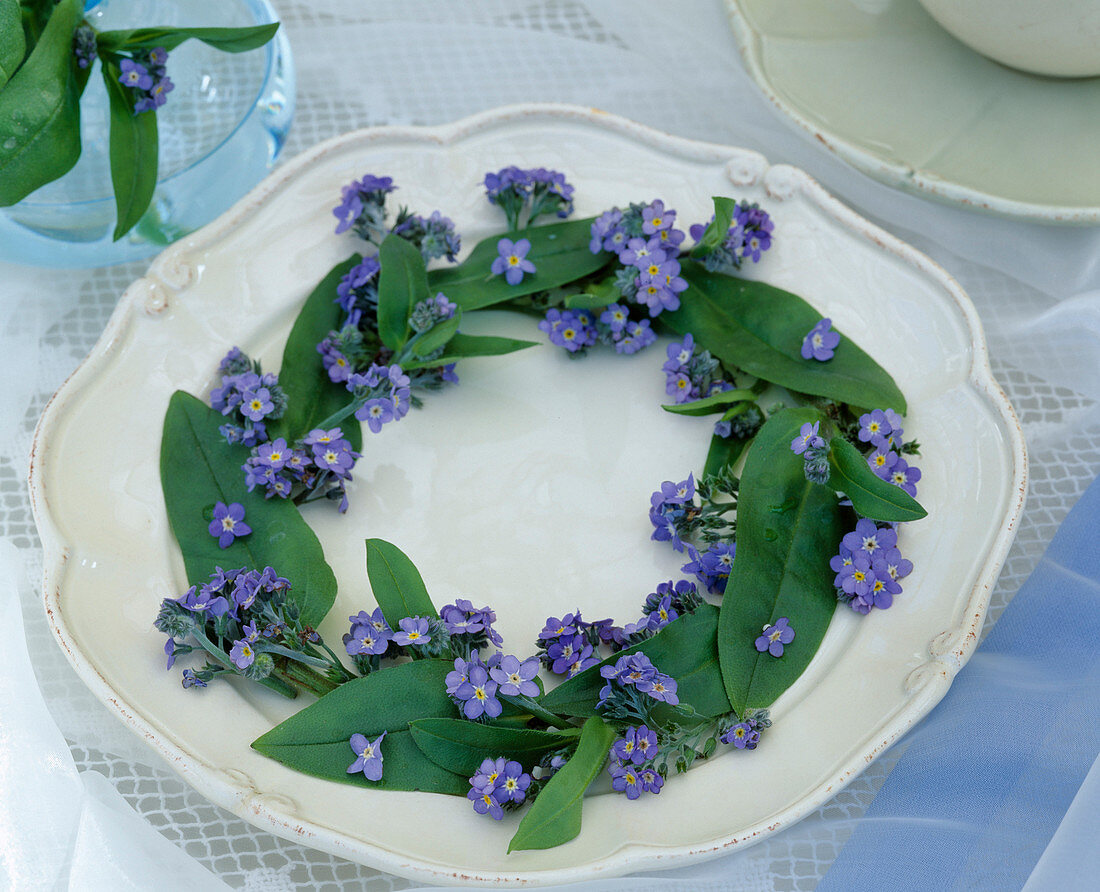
{"type": "Point", "coordinates": [460, 746]}
{"type": "Point", "coordinates": [311, 395]}
{"type": "Point", "coordinates": [134, 151]}
{"type": "Point", "coordinates": [402, 282]}
{"type": "Point", "coordinates": [787, 529]}
{"type": "Point", "coordinates": [555, 816]}
{"type": "Point", "coordinates": [40, 110]}
{"type": "Point", "coordinates": [723, 452]}
{"type": "Point", "coordinates": [197, 469]}
{"type": "Point", "coordinates": [316, 740]}
{"type": "Point", "coordinates": [464, 346]}
{"type": "Point", "coordinates": [437, 336]}
{"type": "Point", "coordinates": [228, 40]}
{"type": "Point", "coordinates": [686, 649]}
{"type": "Point", "coordinates": [871, 496]}
{"type": "Point", "coordinates": [396, 583]}
{"type": "Point", "coordinates": [559, 251]}
{"type": "Point", "coordinates": [759, 328]}
{"type": "Point", "coordinates": [12, 42]}
{"type": "Point", "coordinates": [711, 405]}
{"type": "Point", "coordinates": [594, 296]}
{"type": "Point", "coordinates": [718, 228]}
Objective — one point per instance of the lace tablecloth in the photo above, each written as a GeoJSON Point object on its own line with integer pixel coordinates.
{"type": "Point", "coordinates": [673, 67]}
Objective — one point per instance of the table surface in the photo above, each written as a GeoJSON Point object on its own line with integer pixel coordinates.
{"type": "Point", "coordinates": [430, 62]}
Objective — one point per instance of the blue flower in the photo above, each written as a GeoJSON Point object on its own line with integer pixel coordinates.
{"type": "Point", "coordinates": [477, 695]}
{"type": "Point", "coordinates": [414, 631]}
{"type": "Point", "coordinates": [820, 341]}
{"type": "Point", "coordinates": [368, 756]}
{"type": "Point", "coordinates": [228, 523]}
{"type": "Point", "coordinates": [807, 437]}
{"type": "Point", "coordinates": [242, 654]}
{"type": "Point", "coordinates": [375, 413]}
{"type": "Point", "coordinates": [512, 262]}
{"type": "Point", "coordinates": [904, 477]}
{"type": "Point", "coordinates": [774, 637]}
{"type": "Point", "coordinates": [515, 677]}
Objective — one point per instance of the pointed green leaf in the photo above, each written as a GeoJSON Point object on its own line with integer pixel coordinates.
{"type": "Point", "coordinates": [40, 110]}
{"type": "Point", "coordinates": [437, 336]}
{"type": "Point", "coordinates": [396, 583]}
{"type": "Point", "coordinates": [787, 529]}
{"type": "Point", "coordinates": [12, 43]}
{"type": "Point", "coordinates": [198, 468]}
{"type": "Point", "coordinates": [759, 328]}
{"type": "Point", "coordinates": [134, 152]}
{"type": "Point", "coordinates": [718, 228]}
{"type": "Point", "coordinates": [686, 649]}
{"type": "Point", "coordinates": [712, 405]}
{"type": "Point", "coordinates": [555, 816]}
{"type": "Point", "coordinates": [228, 40]}
{"type": "Point", "coordinates": [402, 282]}
{"type": "Point", "coordinates": [871, 496]}
{"type": "Point", "coordinates": [559, 251]}
{"type": "Point", "coordinates": [311, 394]}
{"type": "Point", "coordinates": [464, 346]}
{"type": "Point", "coordinates": [723, 452]}
{"type": "Point", "coordinates": [461, 746]}
{"type": "Point", "coordinates": [316, 740]}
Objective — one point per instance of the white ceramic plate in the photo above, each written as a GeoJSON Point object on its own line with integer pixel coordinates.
{"type": "Point", "coordinates": [526, 487]}
{"type": "Point", "coordinates": [882, 85]}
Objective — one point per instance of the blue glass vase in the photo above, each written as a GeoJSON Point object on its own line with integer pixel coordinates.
{"type": "Point", "coordinates": [220, 132]}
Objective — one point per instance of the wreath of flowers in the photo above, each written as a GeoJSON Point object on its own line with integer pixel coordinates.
{"type": "Point", "coordinates": [433, 690]}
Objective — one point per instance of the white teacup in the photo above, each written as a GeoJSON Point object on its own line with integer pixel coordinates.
{"type": "Point", "coordinates": [1053, 37]}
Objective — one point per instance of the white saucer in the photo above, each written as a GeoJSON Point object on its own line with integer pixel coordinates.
{"type": "Point", "coordinates": [880, 83]}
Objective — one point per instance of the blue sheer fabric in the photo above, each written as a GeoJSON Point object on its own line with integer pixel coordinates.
{"type": "Point", "coordinates": [993, 782]}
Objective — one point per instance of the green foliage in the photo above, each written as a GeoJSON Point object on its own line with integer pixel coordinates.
{"type": "Point", "coordinates": [871, 496]}
{"type": "Point", "coordinates": [134, 151]}
{"type": "Point", "coordinates": [40, 110]}
{"type": "Point", "coordinates": [12, 41]}
{"type": "Point", "coordinates": [228, 40]}
{"type": "Point", "coordinates": [402, 283]}
{"type": "Point", "coordinates": [464, 346]}
{"type": "Point", "coordinates": [311, 395]}
{"type": "Point", "coordinates": [787, 529]}
{"type": "Point", "coordinates": [315, 740]}
{"type": "Point", "coordinates": [718, 228]}
{"type": "Point", "coordinates": [460, 746]}
{"type": "Point", "coordinates": [559, 251]}
{"type": "Point", "coordinates": [686, 649]}
{"type": "Point", "coordinates": [396, 583]}
{"type": "Point", "coordinates": [197, 468]}
{"type": "Point", "coordinates": [759, 328]}
{"type": "Point", "coordinates": [555, 816]}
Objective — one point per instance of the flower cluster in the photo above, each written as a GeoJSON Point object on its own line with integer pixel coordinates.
{"type": "Point", "coordinates": [434, 236]}
{"type": "Point", "coordinates": [498, 784]}
{"type": "Point", "coordinates": [246, 623]}
{"type": "Point", "coordinates": [692, 376]}
{"type": "Point", "coordinates": [820, 341]}
{"type": "Point", "coordinates": [362, 208]}
{"type": "Point", "coordinates": [749, 235]}
{"type": "Point", "coordinates": [382, 393]}
{"type": "Point", "coordinates": [567, 645]}
{"type": "Point", "coordinates": [669, 602]}
{"type": "Point", "coordinates": [371, 639]}
{"type": "Point", "coordinates": [368, 756]}
{"type": "Point", "coordinates": [147, 75]}
{"type": "Point", "coordinates": [577, 329]}
{"type": "Point", "coordinates": [775, 637]}
{"type": "Point", "coordinates": [868, 567]}
{"type": "Point", "coordinates": [814, 451]}
{"type": "Point", "coordinates": [647, 244]}
{"type": "Point", "coordinates": [247, 396]}
{"type": "Point", "coordinates": [540, 191]}
{"type": "Point", "coordinates": [713, 566]}
{"type": "Point", "coordinates": [634, 686]}
{"type": "Point", "coordinates": [84, 46]}
{"type": "Point", "coordinates": [470, 628]}
{"type": "Point", "coordinates": [881, 429]}
{"type": "Point", "coordinates": [630, 763]}
{"type": "Point", "coordinates": [473, 689]}
{"type": "Point", "coordinates": [745, 734]}
{"type": "Point", "coordinates": [316, 467]}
